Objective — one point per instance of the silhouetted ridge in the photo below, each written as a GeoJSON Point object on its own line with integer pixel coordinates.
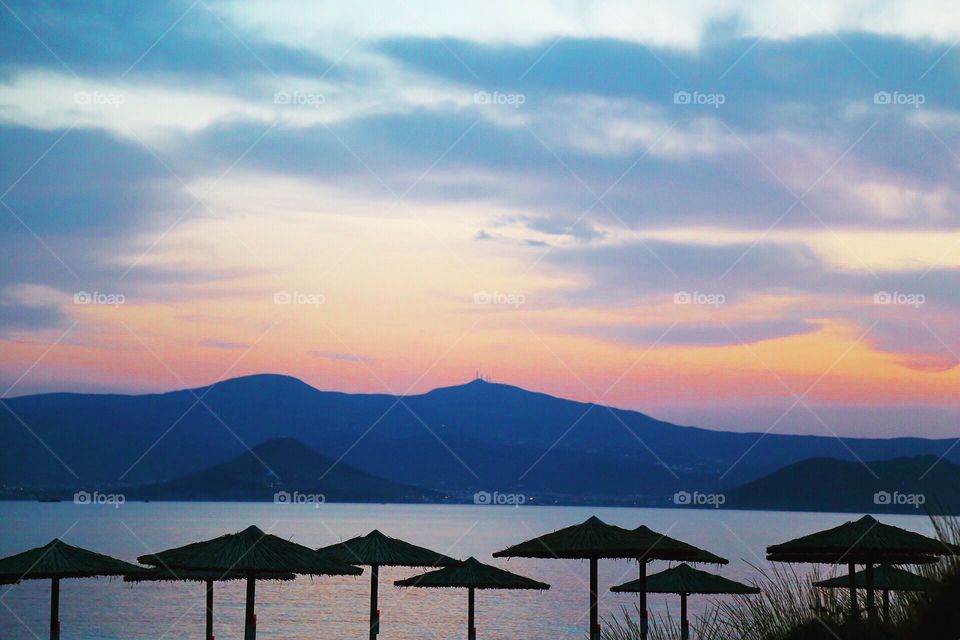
{"type": "Point", "coordinates": [552, 449]}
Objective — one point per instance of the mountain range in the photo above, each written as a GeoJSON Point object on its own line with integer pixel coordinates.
{"type": "Point", "coordinates": [451, 441]}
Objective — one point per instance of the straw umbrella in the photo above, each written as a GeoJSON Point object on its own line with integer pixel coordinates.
{"type": "Point", "coordinates": [886, 578]}
{"type": "Point", "coordinates": [57, 560]}
{"type": "Point", "coordinates": [253, 553]}
{"type": "Point", "coordinates": [378, 550]}
{"type": "Point", "coordinates": [472, 575]}
{"type": "Point", "coordinates": [594, 539]}
{"type": "Point", "coordinates": [663, 547]}
{"type": "Point", "coordinates": [163, 574]}
{"type": "Point", "coordinates": [865, 541]}
{"type": "Point", "coordinates": [685, 580]}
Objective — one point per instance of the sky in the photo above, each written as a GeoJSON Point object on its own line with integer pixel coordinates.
{"type": "Point", "coordinates": [725, 213]}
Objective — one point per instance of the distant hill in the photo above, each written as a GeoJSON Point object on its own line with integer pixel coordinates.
{"type": "Point", "coordinates": [903, 485]}
{"type": "Point", "coordinates": [286, 470]}
{"type": "Point", "coordinates": [478, 436]}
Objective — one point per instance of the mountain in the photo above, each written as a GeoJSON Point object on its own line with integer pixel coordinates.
{"type": "Point", "coordinates": [285, 470]}
{"type": "Point", "coordinates": [478, 436]}
{"type": "Point", "coordinates": [902, 485]}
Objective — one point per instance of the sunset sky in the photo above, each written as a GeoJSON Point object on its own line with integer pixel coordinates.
{"type": "Point", "coordinates": [735, 214]}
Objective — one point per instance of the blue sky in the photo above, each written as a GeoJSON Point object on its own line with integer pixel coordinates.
{"type": "Point", "coordinates": [791, 164]}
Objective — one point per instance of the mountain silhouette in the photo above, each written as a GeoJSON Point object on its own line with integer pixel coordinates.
{"type": "Point", "coordinates": [465, 438]}
{"type": "Point", "coordinates": [286, 471]}
{"type": "Point", "coordinates": [902, 485]}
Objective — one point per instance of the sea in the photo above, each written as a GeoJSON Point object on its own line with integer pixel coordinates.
{"type": "Point", "coordinates": [338, 607]}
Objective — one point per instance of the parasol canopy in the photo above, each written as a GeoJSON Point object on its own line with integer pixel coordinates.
{"type": "Point", "coordinates": [378, 549]}
{"type": "Point", "coordinates": [472, 574]}
{"type": "Point", "coordinates": [683, 579]}
{"type": "Point", "coordinates": [592, 538]}
{"type": "Point", "coordinates": [860, 542]}
{"type": "Point", "coordinates": [56, 560]}
{"type": "Point", "coordinates": [885, 578]}
{"type": "Point", "coordinates": [250, 551]}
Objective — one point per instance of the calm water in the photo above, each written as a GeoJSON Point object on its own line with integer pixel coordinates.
{"type": "Point", "coordinates": [337, 607]}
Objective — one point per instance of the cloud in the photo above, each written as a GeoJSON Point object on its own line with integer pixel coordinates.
{"type": "Point", "coordinates": [224, 344]}
{"type": "Point", "coordinates": [189, 41]}
{"type": "Point", "coordinates": [682, 25]}
{"type": "Point", "coordinates": [32, 307]}
{"type": "Point", "coordinates": [702, 333]}
{"type": "Point", "coordinates": [781, 182]}
{"type": "Point", "coordinates": [343, 357]}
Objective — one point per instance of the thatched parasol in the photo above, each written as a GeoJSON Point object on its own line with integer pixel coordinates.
{"type": "Point", "coordinates": [865, 541]}
{"type": "Point", "coordinates": [886, 578]}
{"type": "Point", "coordinates": [378, 550]}
{"type": "Point", "coordinates": [472, 575]}
{"type": "Point", "coordinates": [163, 574]}
{"type": "Point", "coordinates": [57, 560]}
{"type": "Point", "coordinates": [253, 553]}
{"type": "Point", "coordinates": [685, 580]}
{"type": "Point", "coordinates": [594, 539]}
{"type": "Point", "coordinates": [663, 547]}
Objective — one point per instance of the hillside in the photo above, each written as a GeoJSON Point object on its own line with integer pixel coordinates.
{"type": "Point", "coordinates": [471, 437]}
{"type": "Point", "coordinates": [283, 470]}
{"type": "Point", "coordinates": [903, 485]}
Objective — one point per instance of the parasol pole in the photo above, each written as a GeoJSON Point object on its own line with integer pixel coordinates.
{"type": "Point", "coordinates": [684, 628]}
{"type": "Point", "coordinates": [250, 624]}
{"type": "Point", "coordinates": [209, 609]}
{"type": "Point", "coordinates": [374, 612]}
{"type": "Point", "coordinates": [594, 623]}
{"type": "Point", "coordinates": [886, 606]}
{"type": "Point", "coordinates": [871, 612]}
{"type": "Point", "coordinates": [55, 609]}
{"type": "Point", "coordinates": [854, 606]}
{"type": "Point", "coordinates": [471, 628]}
{"type": "Point", "coordinates": [643, 599]}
